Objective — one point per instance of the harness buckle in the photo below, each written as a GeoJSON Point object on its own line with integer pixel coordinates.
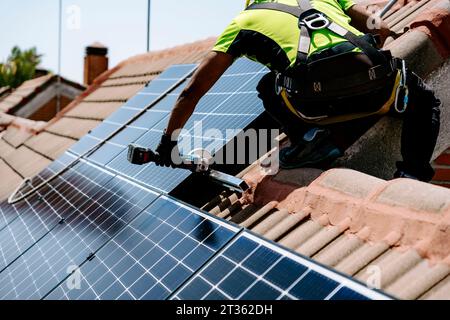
{"type": "Point", "coordinates": [315, 21]}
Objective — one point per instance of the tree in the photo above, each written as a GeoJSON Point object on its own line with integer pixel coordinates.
{"type": "Point", "coordinates": [19, 67]}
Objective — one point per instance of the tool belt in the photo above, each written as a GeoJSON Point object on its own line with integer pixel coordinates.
{"type": "Point", "coordinates": [323, 95]}
{"type": "Point", "coordinates": [337, 84]}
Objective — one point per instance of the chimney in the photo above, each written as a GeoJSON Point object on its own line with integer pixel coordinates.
{"type": "Point", "coordinates": [95, 62]}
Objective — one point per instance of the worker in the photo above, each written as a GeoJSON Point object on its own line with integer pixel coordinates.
{"type": "Point", "coordinates": [326, 67]}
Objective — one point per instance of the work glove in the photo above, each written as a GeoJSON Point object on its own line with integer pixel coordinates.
{"type": "Point", "coordinates": [167, 151]}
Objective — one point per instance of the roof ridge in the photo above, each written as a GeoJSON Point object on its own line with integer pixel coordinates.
{"type": "Point", "coordinates": [123, 84]}
{"type": "Point", "coordinates": [137, 75]}
{"type": "Point", "coordinates": [200, 45]}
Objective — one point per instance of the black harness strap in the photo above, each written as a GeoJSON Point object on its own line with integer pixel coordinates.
{"type": "Point", "coordinates": [305, 11]}
{"type": "Point", "coordinates": [295, 11]}
{"type": "Point", "coordinates": [314, 87]}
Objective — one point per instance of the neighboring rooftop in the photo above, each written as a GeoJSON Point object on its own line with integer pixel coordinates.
{"type": "Point", "coordinates": [4, 92]}
{"type": "Point", "coordinates": [25, 151]}
{"type": "Point", "coordinates": [37, 99]}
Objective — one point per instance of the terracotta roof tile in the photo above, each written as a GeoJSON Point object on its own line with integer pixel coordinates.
{"type": "Point", "coordinates": [5, 149]}
{"type": "Point", "coordinates": [322, 223]}
{"type": "Point", "coordinates": [118, 84]}
{"type": "Point", "coordinates": [9, 178]}
{"type": "Point", "coordinates": [72, 128]}
{"type": "Point", "coordinates": [129, 80]}
{"type": "Point", "coordinates": [50, 145]}
{"type": "Point", "coordinates": [94, 110]}
{"type": "Point", "coordinates": [21, 159]}
{"type": "Point", "coordinates": [16, 136]}
{"type": "Point", "coordinates": [29, 89]}
{"type": "Point", "coordinates": [5, 119]}
{"type": "Point", "coordinates": [158, 61]}
{"type": "Point", "coordinates": [22, 92]}
{"type": "Point", "coordinates": [4, 91]}
{"type": "Point", "coordinates": [439, 292]}
{"type": "Point", "coordinates": [118, 93]}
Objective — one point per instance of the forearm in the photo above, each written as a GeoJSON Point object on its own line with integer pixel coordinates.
{"type": "Point", "coordinates": [181, 112]}
{"type": "Point", "coordinates": [209, 71]}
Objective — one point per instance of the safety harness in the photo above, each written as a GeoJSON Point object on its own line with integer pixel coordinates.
{"type": "Point", "coordinates": [311, 88]}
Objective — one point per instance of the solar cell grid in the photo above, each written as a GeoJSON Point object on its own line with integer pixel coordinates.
{"type": "Point", "coordinates": [222, 108]}
{"type": "Point", "coordinates": [159, 85]}
{"type": "Point", "coordinates": [122, 116]}
{"type": "Point", "coordinates": [40, 217]}
{"type": "Point", "coordinates": [128, 242]}
{"type": "Point", "coordinates": [8, 213]}
{"type": "Point", "coordinates": [250, 268]}
{"type": "Point", "coordinates": [84, 145]}
{"type": "Point", "coordinates": [152, 256]}
{"type": "Point", "coordinates": [88, 226]}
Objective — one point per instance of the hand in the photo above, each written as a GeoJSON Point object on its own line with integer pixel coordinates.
{"type": "Point", "coordinates": [166, 150]}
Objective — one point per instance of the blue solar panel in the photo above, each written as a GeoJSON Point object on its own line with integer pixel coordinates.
{"type": "Point", "coordinates": [154, 90]}
{"type": "Point", "coordinates": [101, 219]}
{"type": "Point", "coordinates": [151, 257]}
{"type": "Point", "coordinates": [122, 116]}
{"type": "Point", "coordinates": [232, 104]}
{"type": "Point", "coordinates": [79, 226]}
{"type": "Point", "coordinates": [161, 84]}
{"type": "Point", "coordinates": [44, 211]}
{"type": "Point", "coordinates": [250, 268]}
{"type": "Point", "coordinates": [9, 213]}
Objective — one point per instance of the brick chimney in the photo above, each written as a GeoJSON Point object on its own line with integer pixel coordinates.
{"type": "Point", "coordinates": [95, 62]}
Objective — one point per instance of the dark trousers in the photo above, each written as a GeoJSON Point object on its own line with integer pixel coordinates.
{"type": "Point", "coordinates": [421, 122]}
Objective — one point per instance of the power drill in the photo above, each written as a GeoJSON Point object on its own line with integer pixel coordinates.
{"type": "Point", "coordinates": [140, 155]}
{"type": "Point", "coordinates": [194, 162]}
{"type": "Point", "coordinates": [198, 161]}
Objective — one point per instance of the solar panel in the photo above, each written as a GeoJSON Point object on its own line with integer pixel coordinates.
{"type": "Point", "coordinates": [153, 91]}
{"type": "Point", "coordinates": [250, 268]}
{"type": "Point", "coordinates": [42, 215]}
{"type": "Point", "coordinates": [151, 257]}
{"type": "Point", "coordinates": [231, 104]}
{"type": "Point", "coordinates": [9, 213]}
{"type": "Point", "coordinates": [101, 219]}
{"type": "Point", "coordinates": [82, 219]}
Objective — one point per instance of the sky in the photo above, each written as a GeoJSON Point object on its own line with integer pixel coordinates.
{"type": "Point", "coordinates": [121, 25]}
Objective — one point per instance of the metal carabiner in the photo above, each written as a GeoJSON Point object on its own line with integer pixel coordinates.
{"type": "Point", "coordinates": [404, 89]}
{"type": "Point", "coordinates": [405, 93]}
